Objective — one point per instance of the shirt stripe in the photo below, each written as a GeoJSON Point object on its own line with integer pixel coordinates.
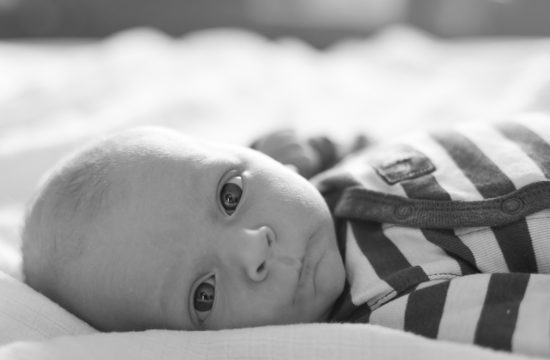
{"type": "Point", "coordinates": [500, 310]}
{"type": "Point", "coordinates": [435, 262]}
{"type": "Point", "coordinates": [485, 248]}
{"type": "Point", "coordinates": [540, 233]}
{"type": "Point", "coordinates": [447, 174]}
{"type": "Point", "coordinates": [532, 331]}
{"type": "Point", "coordinates": [391, 314]}
{"type": "Point", "coordinates": [366, 285]}
{"type": "Point", "coordinates": [519, 254]}
{"type": "Point", "coordinates": [532, 144]}
{"type": "Point", "coordinates": [510, 158]}
{"type": "Point", "coordinates": [482, 171]}
{"type": "Point", "coordinates": [386, 259]}
{"type": "Point", "coordinates": [446, 239]}
{"type": "Point", "coordinates": [425, 309]}
{"type": "Point", "coordinates": [462, 308]}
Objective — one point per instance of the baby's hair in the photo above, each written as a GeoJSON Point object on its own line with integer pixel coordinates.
{"type": "Point", "coordinates": [60, 220]}
{"type": "Point", "coordinates": [71, 215]}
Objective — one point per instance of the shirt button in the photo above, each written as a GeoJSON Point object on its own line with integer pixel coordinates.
{"type": "Point", "coordinates": [512, 205]}
{"type": "Point", "coordinates": [403, 211]}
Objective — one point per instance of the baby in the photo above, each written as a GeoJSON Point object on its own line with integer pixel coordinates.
{"type": "Point", "coordinates": [445, 235]}
{"type": "Point", "coordinates": [150, 229]}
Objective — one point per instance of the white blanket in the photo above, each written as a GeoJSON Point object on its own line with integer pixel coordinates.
{"type": "Point", "coordinates": [313, 341]}
{"type": "Point", "coordinates": [232, 86]}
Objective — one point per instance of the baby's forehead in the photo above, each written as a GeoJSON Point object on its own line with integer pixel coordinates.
{"type": "Point", "coordinates": [154, 144]}
{"type": "Point", "coordinates": [151, 140]}
{"type": "Point", "coordinates": [153, 149]}
{"type": "Point", "coordinates": [167, 142]}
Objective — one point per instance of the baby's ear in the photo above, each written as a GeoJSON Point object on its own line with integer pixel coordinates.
{"type": "Point", "coordinates": [292, 167]}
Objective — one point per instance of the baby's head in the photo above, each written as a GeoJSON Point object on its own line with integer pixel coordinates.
{"type": "Point", "coordinates": [150, 229]}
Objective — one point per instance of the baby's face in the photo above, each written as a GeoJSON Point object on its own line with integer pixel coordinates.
{"type": "Point", "coordinates": [213, 237]}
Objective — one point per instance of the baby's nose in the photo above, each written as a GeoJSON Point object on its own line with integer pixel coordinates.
{"type": "Point", "coordinates": [257, 252]}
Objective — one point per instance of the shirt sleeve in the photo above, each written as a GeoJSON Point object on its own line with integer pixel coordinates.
{"type": "Point", "coordinates": [502, 311]}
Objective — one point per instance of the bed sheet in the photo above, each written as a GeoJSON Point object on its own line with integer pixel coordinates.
{"type": "Point", "coordinates": [232, 85]}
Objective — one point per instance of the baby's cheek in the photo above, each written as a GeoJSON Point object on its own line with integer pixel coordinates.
{"type": "Point", "coordinates": [330, 276]}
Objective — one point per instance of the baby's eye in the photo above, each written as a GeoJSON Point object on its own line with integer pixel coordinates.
{"type": "Point", "coordinates": [203, 298]}
{"type": "Point", "coordinates": [230, 195]}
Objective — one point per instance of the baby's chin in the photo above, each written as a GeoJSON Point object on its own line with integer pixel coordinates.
{"type": "Point", "coordinates": [330, 274]}
{"type": "Point", "coordinates": [328, 277]}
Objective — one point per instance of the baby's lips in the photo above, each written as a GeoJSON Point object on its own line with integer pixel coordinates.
{"type": "Point", "coordinates": [288, 260]}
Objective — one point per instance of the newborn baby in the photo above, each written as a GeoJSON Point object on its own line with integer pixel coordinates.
{"type": "Point", "coordinates": [150, 229]}
{"type": "Point", "coordinates": [445, 235]}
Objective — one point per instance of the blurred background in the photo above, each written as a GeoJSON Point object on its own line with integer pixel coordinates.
{"type": "Point", "coordinates": [319, 22]}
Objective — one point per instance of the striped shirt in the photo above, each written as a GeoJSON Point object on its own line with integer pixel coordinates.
{"type": "Point", "coordinates": [447, 234]}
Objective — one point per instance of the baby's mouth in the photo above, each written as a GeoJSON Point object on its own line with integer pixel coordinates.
{"type": "Point", "coordinates": [288, 260]}
{"type": "Point", "coordinates": [308, 266]}
{"type": "Point", "coordinates": [305, 272]}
